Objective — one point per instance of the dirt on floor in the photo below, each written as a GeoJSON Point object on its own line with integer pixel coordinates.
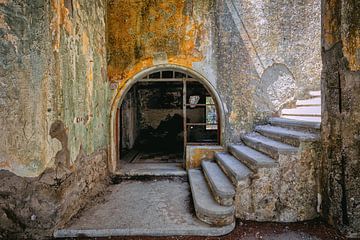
{"type": "Point", "coordinates": [247, 230]}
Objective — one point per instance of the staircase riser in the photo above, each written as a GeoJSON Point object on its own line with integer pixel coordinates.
{"type": "Point", "coordinates": [263, 193]}
{"type": "Point", "coordinates": [297, 128]}
{"type": "Point", "coordinates": [273, 153]}
{"type": "Point", "coordinates": [227, 172]}
{"type": "Point", "coordinates": [244, 159]}
{"type": "Point", "coordinates": [302, 114]}
{"type": "Point", "coordinates": [205, 207]}
{"type": "Point", "coordinates": [288, 140]}
{"type": "Point", "coordinates": [219, 221]}
{"type": "Point", "coordinates": [222, 200]}
{"type": "Point", "coordinates": [248, 161]}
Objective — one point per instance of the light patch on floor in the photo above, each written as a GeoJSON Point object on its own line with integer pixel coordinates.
{"type": "Point", "coordinates": [152, 208]}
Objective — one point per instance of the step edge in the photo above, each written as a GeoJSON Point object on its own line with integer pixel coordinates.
{"type": "Point", "coordinates": [225, 210]}
{"type": "Point", "coordinates": [251, 160]}
{"type": "Point", "coordinates": [117, 232]}
{"type": "Point", "coordinates": [295, 123]}
{"type": "Point", "coordinates": [290, 149]}
{"type": "Point", "coordinates": [235, 175]}
{"type": "Point", "coordinates": [261, 129]}
{"type": "Point", "coordinates": [212, 182]}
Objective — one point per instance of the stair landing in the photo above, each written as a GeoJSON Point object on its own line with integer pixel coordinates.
{"type": "Point", "coordinates": [142, 208]}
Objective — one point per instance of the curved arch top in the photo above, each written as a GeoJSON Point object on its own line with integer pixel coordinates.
{"type": "Point", "coordinates": [123, 90]}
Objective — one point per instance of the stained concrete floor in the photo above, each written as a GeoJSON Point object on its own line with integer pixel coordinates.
{"type": "Point", "coordinates": [310, 230]}
{"type": "Point", "coordinates": [154, 207]}
{"type": "Point", "coordinates": [136, 209]}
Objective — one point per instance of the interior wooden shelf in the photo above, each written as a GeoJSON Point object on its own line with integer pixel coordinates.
{"type": "Point", "coordinates": [199, 105]}
{"type": "Point", "coordinates": [200, 124]}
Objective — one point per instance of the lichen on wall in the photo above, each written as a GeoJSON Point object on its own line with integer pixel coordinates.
{"type": "Point", "coordinates": [54, 100]}
{"type": "Point", "coordinates": [341, 115]}
{"type": "Point", "coordinates": [26, 93]}
{"type": "Point", "coordinates": [268, 53]}
{"type": "Point", "coordinates": [53, 67]}
{"type": "Point", "coordinates": [78, 29]}
{"type": "Point", "coordinates": [143, 33]}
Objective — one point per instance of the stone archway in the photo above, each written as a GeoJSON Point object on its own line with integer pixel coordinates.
{"type": "Point", "coordinates": [124, 89]}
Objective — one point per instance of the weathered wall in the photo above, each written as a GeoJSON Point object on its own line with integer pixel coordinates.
{"type": "Point", "coordinates": [145, 33]}
{"type": "Point", "coordinates": [259, 55]}
{"type": "Point", "coordinates": [268, 53]}
{"type": "Point", "coordinates": [52, 67]}
{"type": "Point", "coordinates": [54, 111]}
{"type": "Point", "coordinates": [341, 114]}
{"type": "Point", "coordinates": [31, 208]}
{"type": "Point", "coordinates": [27, 93]}
{"type": "Point", "coordinates": [80, 53]}
{"type": "Point", "coordinates": [286, 37]}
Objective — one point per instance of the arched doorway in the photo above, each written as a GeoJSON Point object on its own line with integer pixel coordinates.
{"type": "Point", "coordinates": [162, 110]}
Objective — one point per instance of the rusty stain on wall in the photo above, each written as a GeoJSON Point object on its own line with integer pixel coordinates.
{"type": "Point", "coordinates": [331, 24]}
{"type": "Point", "coordinates": [60, 20]}
{"type": "Point", "coordinates": [196, 154]}
{"type": "Point", "coordinates": [337, 28]}
{"type": "Point", "coordinates": [351, 34]}
{"type": "Point", "coordinates": [138, 30]}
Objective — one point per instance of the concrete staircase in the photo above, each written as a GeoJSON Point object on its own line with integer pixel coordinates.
{"type": "Point", "coordinates": [305, 110]}
{"type": "Point", "coordinates": [269, 176]}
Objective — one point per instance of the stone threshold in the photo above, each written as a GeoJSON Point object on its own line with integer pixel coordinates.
{"type": "Point", "coordinates": [179, 231]}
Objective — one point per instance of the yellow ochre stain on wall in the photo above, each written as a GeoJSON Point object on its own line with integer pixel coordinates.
{"type": "Point", "coordinates": [60, 20]}
{"type": "Point", "coordinates": [139, 29]}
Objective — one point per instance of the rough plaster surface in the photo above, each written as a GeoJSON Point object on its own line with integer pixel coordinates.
{"type": "Point", "coordinates": [33, 207]}
{"type": "Point", "coordinates": [269, 53]}
{"type": "Point", "coordinates": [285, 32]}
{"type": "Point", "coordinates": [53, 112]}
{"type": "Point", "coordinates": [196, 154]}
{"type": "Point", "coordinates": [26, 81]}
{"type": "Point", "coordinates": [286, 193]}
{"type": "Point", "coordinates": [341, 115]}
{"type": "Point", "coordinates": [143, 33]}
{"type": "Point", "coordinates": [53, 67]}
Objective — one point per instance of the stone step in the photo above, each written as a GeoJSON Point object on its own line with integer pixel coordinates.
{"type": "Point", "coordinates": [220, 185]}
{"type": "Point", "coordinates": [206, 208]}
{"type": "Point", "coordinates": [302, 118]}
{"type": "Point", "coordinates": [303, 111]}
{"type": "Point", "coordinates": [309, 102]}
{"type": "Point", "coordinates": [315, 93]}
{"type": "Point", "coordinates": [268, 146]}
{"type": "Point", "coordinates": [285, 135]}
{"type": "Point", "coordinates": [130, 170]}
{"type": "Point", "coordinates": [296, 124]}
{"type": "Point", "coordinates": [234, 169]}
{"type": "Point", "coordinates": [252, 158]}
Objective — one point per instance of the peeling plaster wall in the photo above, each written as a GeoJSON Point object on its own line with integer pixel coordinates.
{"type": "Point", "coordinates": [54, 114]}
{"type": "Point", "coordinates": [341, 114]}
{"type": "Point", "coordinates": [53, 67]}
{"type": "Point", "coordinates": [286, 33]}
{"type": "Point", "coordinates": [145, 33]}
{"type": "Point", "coordinates": [259, 55]}
{"type": "Point", "coordinates": [27, 91]}
{"type": "Point", "coordinates": [83, 91]}
{"type": "Point", "coordinates": [268, 53]}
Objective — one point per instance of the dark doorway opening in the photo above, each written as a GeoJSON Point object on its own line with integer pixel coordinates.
{"type": "Point", "coordinates": [162, 114]}
{"type": "Point", "coordinates": [152, 123]}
